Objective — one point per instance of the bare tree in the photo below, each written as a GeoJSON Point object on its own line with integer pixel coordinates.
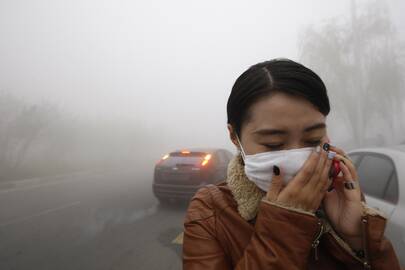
{"type": "Point", "coordinates": [26, 128]}
{"type": "Point", "coordinates": [21, 126]}
{"type": "Point", "coordinates": [9, 109]}
{"type": "Point", "coordinates": [360, 58]}
{"type": "Point", "coordinates": [39, 140]}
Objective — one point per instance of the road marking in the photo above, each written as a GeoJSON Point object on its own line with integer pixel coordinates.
{"type": "Point", "coordinates": [45, 212]}
{"type": "Point", "coordinates": [32, 183]}
{"type": "Point", "coordinates": [41, 185]}
{"type": "Point", "coordinates": [179, 239]}
{"type": "Point", "coordinates": [30, 187]}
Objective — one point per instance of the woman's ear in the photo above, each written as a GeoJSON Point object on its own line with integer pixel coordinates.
{"type": "Point", "coordinates": [232, 135]}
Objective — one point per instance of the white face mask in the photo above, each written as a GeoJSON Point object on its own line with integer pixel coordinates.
{"type": "Point", "coordinates": [259, 167]}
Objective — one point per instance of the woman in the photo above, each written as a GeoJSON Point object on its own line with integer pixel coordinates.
{"type": "Point", "coordinates": [279, 208]}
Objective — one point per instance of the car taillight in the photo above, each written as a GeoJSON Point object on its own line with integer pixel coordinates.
{"type": "Point", "coordinates": [163, 158]}
{"type": "Point", "coordinates": [206, 159]}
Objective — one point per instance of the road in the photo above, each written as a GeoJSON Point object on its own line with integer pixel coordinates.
{"type": "Point", "coordinates": [90, 220]}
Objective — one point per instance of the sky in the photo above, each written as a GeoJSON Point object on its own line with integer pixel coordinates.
{"type": "Point", "coordinates": [167, 66]}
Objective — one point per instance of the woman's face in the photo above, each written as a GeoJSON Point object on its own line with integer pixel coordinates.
{"type": "Point", "coordinates": [281, 122]}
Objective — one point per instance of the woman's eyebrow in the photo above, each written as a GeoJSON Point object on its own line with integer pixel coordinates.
{"type": "Point", "coordinates": [316, 126]}
{"type": "Point", "coordinates": [270, 131]}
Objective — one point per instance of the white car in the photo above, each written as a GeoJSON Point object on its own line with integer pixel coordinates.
{"type": "Point", "coordinates": [381, 174]}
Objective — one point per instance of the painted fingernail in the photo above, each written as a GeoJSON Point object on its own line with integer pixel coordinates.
{"type": "Point", "coordinates": [325, 146]}
{"type": "Point", "coordinates": [331, 155]}
{"type": "Point", "coordinates": [276, 170]}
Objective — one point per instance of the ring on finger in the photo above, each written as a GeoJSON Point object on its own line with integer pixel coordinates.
{"type": "Point", "coordinates": [349, 184]}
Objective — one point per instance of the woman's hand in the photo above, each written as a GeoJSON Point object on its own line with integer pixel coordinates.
{"type": "Point", "coordinates": [343, 203]}
{"type": "Point", "coordinates": [307, 189]}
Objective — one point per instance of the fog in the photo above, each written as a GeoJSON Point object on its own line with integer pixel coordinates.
{"type": "Point", "coordinates": [89, 85]}
{"type": "Point", "coordinates": [164, 69]}
{"type": "Point", "coordinates": [160, 70]}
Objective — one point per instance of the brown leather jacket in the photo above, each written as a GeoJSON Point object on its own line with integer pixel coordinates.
{"type": "Point", "coordinates": [231, 226]}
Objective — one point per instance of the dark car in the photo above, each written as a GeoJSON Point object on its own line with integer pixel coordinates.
{"type": "Point", "coordinates": [179, 174]}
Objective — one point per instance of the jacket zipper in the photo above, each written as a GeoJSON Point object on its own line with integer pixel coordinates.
{"type": "Point", "coordinates": [366, 263]}
{"type": "Point", "coordinates": [316, 242]}
{"type": "Point", "coordinates": [364, 260]}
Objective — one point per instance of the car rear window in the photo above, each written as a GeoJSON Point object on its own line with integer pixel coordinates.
{"type": "Point", "coordinates": [178, 158]}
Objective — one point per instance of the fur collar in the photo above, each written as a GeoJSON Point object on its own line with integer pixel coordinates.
{"type": "Point", "coordinates": [246, 194]}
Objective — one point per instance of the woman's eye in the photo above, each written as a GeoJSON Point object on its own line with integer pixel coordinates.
{"type": "Point", "coordinates": [314, 143]}
{"type": "Point", "coordinates": [280, 146]}
{"type": "Point", "coordinates": [273, 146]}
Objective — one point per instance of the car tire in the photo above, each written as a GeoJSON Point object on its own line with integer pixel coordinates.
{"type": "Point", "coordinates": [165, 201]}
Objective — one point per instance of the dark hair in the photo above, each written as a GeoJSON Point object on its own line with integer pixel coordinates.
{"type": "Point", "coordinates": [277, 75]}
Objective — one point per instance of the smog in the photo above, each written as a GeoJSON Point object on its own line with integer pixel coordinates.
{"type": "Point", "coordinates": [94, 93]}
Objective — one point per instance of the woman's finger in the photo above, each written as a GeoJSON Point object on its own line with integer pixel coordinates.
{"type": "Point", "coordinates": [346, 172]}
{"type": "Point", "coordinates": [314, 187]}
{"type": "Point", "coordinates": [307, 170]}
{"type": "Point", "coordinates": [337, 150]}
{"type": "Point", "coordinates": [276, 184]}
{"type": "Point", "coordinates": [316, 177]}
{"type": "Point", "coordinates": [319, 185]}
{"type": "Point", "coordinates": [349, 164]}
{"type": "Point", "coordinates": [324, 178]}
{"type": "Point", "coordinates": [340, 152]}
{"type": "Point", "coordinates": [350, 187]}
